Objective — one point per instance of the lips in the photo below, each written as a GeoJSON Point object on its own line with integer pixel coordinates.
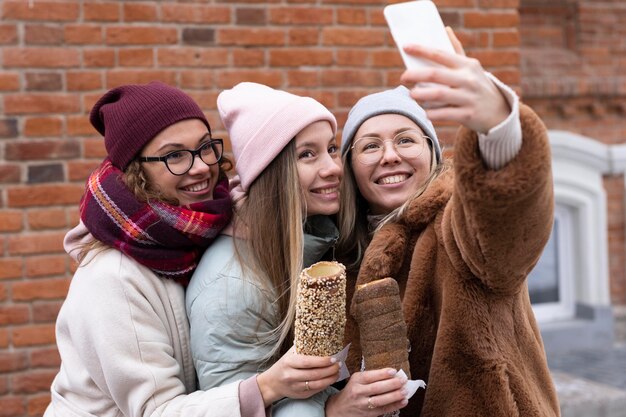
{"type": "Point", "coordinates": [197, 187]}
{"type": "Point", "coordinates": [392, 179]}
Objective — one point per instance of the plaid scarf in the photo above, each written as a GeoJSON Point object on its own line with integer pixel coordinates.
{"type": "Point", "coordinates": [167, 239]}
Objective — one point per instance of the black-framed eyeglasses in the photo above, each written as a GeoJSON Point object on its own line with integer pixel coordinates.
{"type": "Point", "coordinates": [180, 162]}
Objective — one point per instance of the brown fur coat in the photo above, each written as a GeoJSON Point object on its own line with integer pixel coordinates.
{"type": "Point", "coordinates": [461, 255]}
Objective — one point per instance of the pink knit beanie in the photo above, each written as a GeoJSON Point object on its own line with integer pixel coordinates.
{"type": "Point", "coordinates": [131, 115]}
{"type": "Point", "coordinates": [261, 121]}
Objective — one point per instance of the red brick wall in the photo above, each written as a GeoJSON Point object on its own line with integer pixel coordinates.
{"type": "Point", "coordinates": [573, 55]}
{"type": "Point", "coordinates": [57, 57]}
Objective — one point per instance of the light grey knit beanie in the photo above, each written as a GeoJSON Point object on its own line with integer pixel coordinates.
{"type": "Point", "coordinates": [396, 101]}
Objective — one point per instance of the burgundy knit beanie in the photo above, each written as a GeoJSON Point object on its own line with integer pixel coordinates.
{"type": "Point", "coordinates": [129, 117]}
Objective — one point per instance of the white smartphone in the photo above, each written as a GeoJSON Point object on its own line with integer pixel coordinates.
{"type": "Point", "coordinates": [417, 22]}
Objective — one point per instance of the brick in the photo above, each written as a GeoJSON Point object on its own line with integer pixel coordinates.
{"type": "Point", "coordinates": [46, 218]}
{"type": "Point", "coordinates": [136, 57]}
{"type": "Point", "coordinates": [352, 37]}
{"type": "Point", "coordinates": [344, 78]}
{"type": "Point", "coordinates": [115, 78]}
{"type": "Point", "coordinates": [43, 126]}
{"type": "Point", "coordinates": [189, 13]}
{"type": "Point", "coordinates": [11, 221]}
{"type": "Point", "coordinates": [83, 34]}
{"type": "Point", "coordinates": [497, 58]}
{"type": "Point", "coordinates": [40, 103]}
{"type": "Point", "coordinates": [80, 170]}
{"type": "Point", "coordinates": [40, 57]}
{"type": "Point", "coordinates": [303, 36]}
{"type": "Point", "coordinates": [8, 34]}
{"type": "Point", "coordinates": [42, 266]}
{"type": "Point", "coordinates": [8, 128]}
{"type": "Point", "coordinates": [94, 148]}
{"type": "Point", "coordinates": [196, 79]}
{"type": "Point", "coordinates": [98, 58]}
{"type": "Point", "coordinates": [387, 59]}
{"type": "Point", "coordinates": [10, 173]}
{"type": "Point", "coordinates": [33, 335]}
{"type": "Point", "coordinates": [102, 12]}
{"type": "Point", "coordinates": [292, 57]}
{"type": "Point", "coordinates": [11, 406]}
{"type": "Point", "coordinates": [352, 16]}
{"type": "Point", "coordinates": [192, 57]}
{"type": "Point", "coordinates": [40, 289]}
{"type": "Point", "coordinates": [79, 126]}
{"type": "Point", "coordinates": [228, 79]}
{"type": "Point", "coordinates": [141, 12]}
{"type": "Point", "coordinates": [360, 2]}
{"type": "Point", "coordinates": [250, 37]}
{"type": "Point", "coordinates": [47, 311]}
{"type": "Point", "coordinates": [43, 195]}
{"type": "Point", "coordinates": [506, 39]}
{"type": "Point", "coordinates": [4, 338]}
{"type": "Point", "coordinates": [42, 149]}
{"type": "Point", "coordinates": [32, 381]}
{"type": "Point", "coordinates": [198, 36]}
{"type": "Point", "coordinates": [13, 361]}
{"type": "Point", "coordinates": [131, 35]}
{"type": "Point", "coordinates": [43, 81]}
{"type": "Point", "coordinates": [302, 78]}
{"type": "Point", "coordinates": [37, 404]}
{"type": "Point", "coordinates": [491, 20]}
{"type": "Point", "coordinates": [83, 80]}
{"type": "Point", "coordinates": [40, 10]}
{"type": "Point", "coordinates": [9, 81]}
{"type": "Point", "coordinates": [43, 35]}
{"type": "Point", "coordinates": [251, 16]}
{"type": "Point", "coordinates": [301, 16]}
{"type": "Point", "coordinates": [493, 4]}
{"type": "Point", "coordinates": [13, 314]}
{"type": "Point", "coordinates": [44, 357]}
{"type": "Point", "coordinates": [455, 3]}
{"type": "Point", "coordinates": [248, 57]}
{"type": "Point", "coordinates": [4, 385]}
{"type": "Point", "coordinates": [10, 268]}
{"type": "Point", "coordinates": [39, 174]}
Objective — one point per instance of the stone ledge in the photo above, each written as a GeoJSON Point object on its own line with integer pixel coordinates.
{"type": "Point", "coordinates": [584, 398]}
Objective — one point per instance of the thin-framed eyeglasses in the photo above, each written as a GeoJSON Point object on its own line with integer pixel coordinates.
{"type": "Point", "coordinates": [180, 162]}
{"type": "Point", "coordinates": [369, 150]}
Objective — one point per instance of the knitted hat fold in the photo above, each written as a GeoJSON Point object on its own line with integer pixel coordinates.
{"type": "Point", "coordinates": [261, 121]}
{"type": "Point", "coordinates": [131, 115]}
{"type": "Point", "coordinates": [396, 101]}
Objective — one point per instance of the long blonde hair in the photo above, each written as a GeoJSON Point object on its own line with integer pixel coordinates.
{"type": "Point", "coordinates": [354, 229]}
{"type": "Point", "coordinates": [272, 250]}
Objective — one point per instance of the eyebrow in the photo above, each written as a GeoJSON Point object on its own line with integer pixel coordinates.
{"type": "Point", "coordinates": [397, 131]}
{"type": "Point", "coordinates": [312, 144]}
{"type": "Point", "coordinates": [175, 146]}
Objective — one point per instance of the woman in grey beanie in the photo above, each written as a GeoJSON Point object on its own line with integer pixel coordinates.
{"type": "Point", "coordinates": [458, 240]}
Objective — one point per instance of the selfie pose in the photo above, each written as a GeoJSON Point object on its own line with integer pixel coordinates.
{"type": "Point", "coordinates": [459, 238]}
{"type": "Point", "coordinates": [155, 203]}
{"type": "Point", "coordinates": [241, 300]}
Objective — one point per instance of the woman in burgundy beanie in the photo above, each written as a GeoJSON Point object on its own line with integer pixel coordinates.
{"type": "Point", "coordinates": [149, 211]}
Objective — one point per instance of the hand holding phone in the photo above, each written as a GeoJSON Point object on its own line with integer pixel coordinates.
{"type": "Point", "coordinates": [417, 22]}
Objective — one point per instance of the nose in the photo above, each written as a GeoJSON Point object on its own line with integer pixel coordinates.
{"type": "Point", "coordinates": [331, 167]}
{"type": "Point", "coordinates": [198, 166]}
{"type": "Point", "coordinates": [390, 156]}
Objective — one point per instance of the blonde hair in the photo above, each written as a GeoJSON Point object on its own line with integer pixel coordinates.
{"type": "Point", "coordinates": [273, 250]}
{"type": "Point", "coordinates": [354, 229]}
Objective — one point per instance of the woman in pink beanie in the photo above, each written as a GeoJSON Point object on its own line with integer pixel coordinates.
{"type": "Point", "coordinates": [241, 300]}
{"type": "Point", "coordinates": [149, 211]}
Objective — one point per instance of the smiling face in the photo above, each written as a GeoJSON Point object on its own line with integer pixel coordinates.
{"type": "Point", "coordinates": [199, 182]}
{"type": "Point", "coordinates": [319, 168]}
{"type": "Point", "coordinates": [387, 184]}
